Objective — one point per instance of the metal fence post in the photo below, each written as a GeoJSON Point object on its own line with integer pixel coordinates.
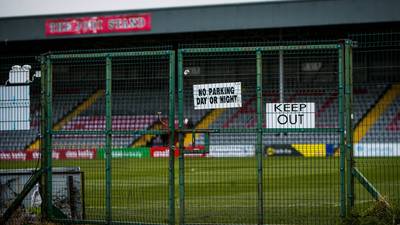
{"type": "Point", "coordinates": [207, 142]}
{"type": "Point", "coordinates": [172, 138]}
{"type": "Point", "coordinates": [48, 139]}
{"type": "Point", "coordinates": [349, 123]}
{"type": "Point", "coordinates": [43, 138]}
{"type": "Point", "coordinates": [108, 132]}
{"type": "Point", "coordinates": [259, 140]}
{"type": "Point", "coordinates": [342, 132]}
{"type": "Point", "coordinates": [181, 150]}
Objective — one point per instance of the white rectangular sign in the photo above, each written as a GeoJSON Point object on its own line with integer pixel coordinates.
{"type": "Point", "coordinates": [290, 115]}
{"type": "Point", "coordinates": [218, 95]}
{"type": "Point", "coordinates": [232, 151]}
{"type": "Point", "coordinates": [377, 150]}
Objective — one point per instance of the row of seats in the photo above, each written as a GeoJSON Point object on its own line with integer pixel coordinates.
{"type": "Point", "coordinates": [132, 112]}
{"type": "Point", "coordinates": [385, 128]}
{"type": "Point", "coordinates": [326, 102]}
{"type": "Point", "coordinates": [118, 122]}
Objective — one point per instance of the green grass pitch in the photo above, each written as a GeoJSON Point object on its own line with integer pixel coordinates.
{"type": "Point", "coordinates": [297, 190]}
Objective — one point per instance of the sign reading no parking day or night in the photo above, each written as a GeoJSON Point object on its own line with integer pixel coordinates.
{"type": "Point", "coordinates": [290, 115]}
{"type": "Point", "coordinates": [217, 95]}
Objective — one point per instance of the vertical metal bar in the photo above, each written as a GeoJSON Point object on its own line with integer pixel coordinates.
{"type": "Point", "coordinates": [193, 138]}
{"type": "Point", "coordinates": [71, 196]}
{"type": "Point", "coordinates": [43, 139]}
{"type": "Point", "coordinates": [342, 132]}
{"type": "Point", "coordinates": [82, 174]}
{"type": "Point", "coordinates": [181, 150]}
{"type": "Point", "coordinates": [281, 77]}
{"type": "Point", "coordinates": [49, 124]}
{"type": "Point", "coordinates": [207, 142]}
{"type": "Point", "coordinates": [171, 117]}
{"type": "Point", "coordinates": [108, 132]}
{"type": "Point", "coordinates": [349, 124]}
{"type": "Point", "coordinates": [260, 196]}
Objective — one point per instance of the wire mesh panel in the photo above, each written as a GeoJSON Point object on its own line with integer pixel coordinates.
{"type": "Point", "coordinates": [376, 121]}
{"type": "Point", "coordinates": [301, 168]}
{"type": "Point", "coordinates": [78, 120]}
{"type": "Point", "coordinates": [140, 103]}
{"type": "Point", "coordinates": [273, 156]}
{"type": "Point", "coordinates": [19, 128]}
{"type": "Point", "coordinates": [107, 112]}
{"type": "Point", "coordinates": [219, 183]}
{"type": "Point", "coordinates": [264, 135]}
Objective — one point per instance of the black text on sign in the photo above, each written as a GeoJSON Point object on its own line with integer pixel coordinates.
{"type": "Point", "coordinates": [218, 95]}
{"type": "Point", "coordinates": [290, 115]}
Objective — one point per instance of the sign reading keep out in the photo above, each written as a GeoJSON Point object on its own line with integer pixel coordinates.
{"type": "Point", "coordinates": [218, 95]}
{"type": "Point", "coordinates": [290, 115]}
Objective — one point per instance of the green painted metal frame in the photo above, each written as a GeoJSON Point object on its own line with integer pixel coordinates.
{"type": "Point", "coordinates": [261, 48]}
{"type": "Point", "coordinates": [48, 136]}
{"type": "Point", "coordinates": [260, 130]}
{"type": "Point", "coordinates": [349, 123]}
{"type": "Point", "coordinates": [109, 54]}
{"type": "Point", "coordinates": [352, 171]}
{"type": "Point", "coordinates": [259, 150]}
{"type": "Point", "coordinates": [108, 140]}
{"type": "Point", "coordinates": [171, 121]}
{"type": "Point", "coordinates": [342, 144]}
{"type": "Point", "coordinates": [99, 222]}
{"type": "Point", "coordinates": [108, 132]}
{"type": "Point", "coordinates": [180, 136]}
{"type": "Point", "coordinates": [264, 130]}
{"type": "Point", "coordinates": [366, 184]}
{"type": "Point", "coordinates": [43, 139]}
{"type": "Point", "coordinates": [345, 67]}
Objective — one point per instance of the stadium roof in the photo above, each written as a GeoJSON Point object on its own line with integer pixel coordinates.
{"type": "Point", "coordinates": [238, 16]}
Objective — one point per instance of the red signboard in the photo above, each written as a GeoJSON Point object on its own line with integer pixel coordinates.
{"type": "Point", "coordinates": [98, 24]}
{"type": "Point", "coordinates": [163, 151]}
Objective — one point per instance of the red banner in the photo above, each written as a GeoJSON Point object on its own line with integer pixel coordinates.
{"type": "Point", "coordinates": [163, 152]}
{"type": "Point", "coordinates": [98, 24]}
{"type": "Point", "coordinates": [57, 154]}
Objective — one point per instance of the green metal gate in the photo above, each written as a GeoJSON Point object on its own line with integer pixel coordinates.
{"type": "Point", "coordinates": [233, 167]}
{"type": "Point", "coordinates": [113, 103]}
{"type": "Point", "coordinates": [255, 172]}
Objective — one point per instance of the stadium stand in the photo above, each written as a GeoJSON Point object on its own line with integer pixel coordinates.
{"type": "Point", "coordinates": [387, 126]}
{"type": "Point", "coordinates": [126, 107]}
{"type": "Point", "coordinates": [120, 122]}
{"type": "Point", "coordinates": [364, 99]}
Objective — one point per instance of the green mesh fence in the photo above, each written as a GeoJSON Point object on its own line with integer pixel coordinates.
{"type": "Point", "coordinates": [268, 161]}
{"type": "Point", "coordinates": [222, 187]}
{"type": "Point", "coordinates": [376, 119]}
{"type": "Point", "coordinates": [221, 135]}
{"type": "Point", "coordinates": [301, 169]}
{"type": "Point", "coordinates": [114, 108]}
